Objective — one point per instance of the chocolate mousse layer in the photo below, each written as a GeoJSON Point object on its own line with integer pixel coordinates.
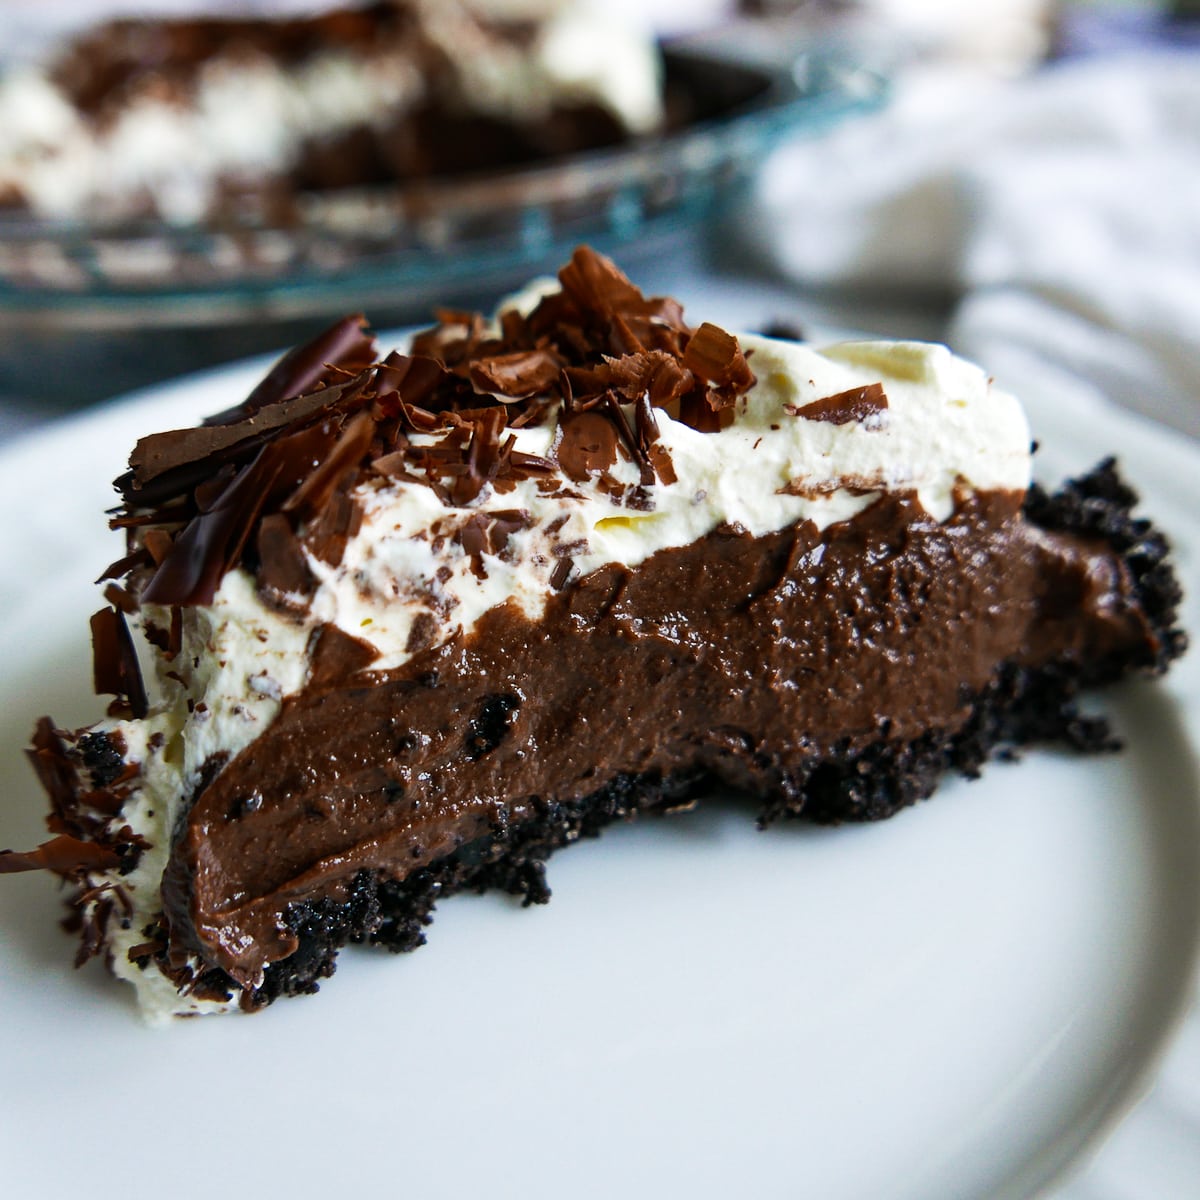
{"type": "Point", "coordinates": [751, 663]}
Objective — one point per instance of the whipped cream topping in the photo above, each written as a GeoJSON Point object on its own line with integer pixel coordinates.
{"type": "Point", "coordinates": [405, 580]}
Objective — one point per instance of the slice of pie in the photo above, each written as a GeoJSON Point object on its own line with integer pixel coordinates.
{"type": "Point", "coordinates": [199, 116]}
{"type": "Point", "coordinates": [418, 620]}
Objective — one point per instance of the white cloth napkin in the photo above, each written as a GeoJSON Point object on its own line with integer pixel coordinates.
{"type": "Point", "coordinates": [1062, 210]}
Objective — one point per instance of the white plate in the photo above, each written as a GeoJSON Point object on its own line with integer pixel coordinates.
{"type": "Point", "coordinates": [955, 1003]}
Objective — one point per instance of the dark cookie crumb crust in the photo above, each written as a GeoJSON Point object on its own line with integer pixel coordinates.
{"type": "Point", "coordinates": [1020, 706]}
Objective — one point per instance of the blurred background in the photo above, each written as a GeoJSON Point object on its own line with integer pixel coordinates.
{"type": "Point", "coordinates": [1018, 177]}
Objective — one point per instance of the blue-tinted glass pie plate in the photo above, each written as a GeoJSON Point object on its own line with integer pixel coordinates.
{"type": "Point", "coordinates": [406, 246]}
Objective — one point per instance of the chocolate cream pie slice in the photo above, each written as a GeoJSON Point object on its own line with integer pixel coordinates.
{"type": "Point", "coordinates": [417, 620]}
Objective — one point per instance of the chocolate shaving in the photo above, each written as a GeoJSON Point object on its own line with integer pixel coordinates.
{"type": "Point", "coordinates": [421, 633]}
{"type": "Point", "coordinates": [108, 801]}
{"type": "Point", "coordinates": [314, 491]}
{"type": "Point", "coordinates": [488, 532]}
{"type": "Point", "coordinates": [175, 640]}
{"type": "Point", "coordinates": [561, 573]}
{"type": "Point", "coordinates": [115, 670]}
{"type": "Point", "coordinates": [696, 410]}
{"type": "Point", "coordinates": [393, 466]}
{"type": "Point", "coordinates": [664, 468]}
{"type": "Point", "coordinates": [523, 373]}
{"type": "Point", "coordinates": [586, 445]}
{"type": "Point", "coordinates": [647, 425]}
{"type": "Point", "coordinates": [283, 571]}
{"type": "Point", "coordinates": [58, 776]}
{"type": "Point", "coordinates": [861, 404]}
{"type": "Point", "coordinates": [529, 464]}
{"type": "Point", "coordinates": [346, 345]}
{"type": "Point", "coordinates": [334, 526]}
{"type": "Point", "coordinates": [65, 855]}
{"type": "Point", "coordinates": [856, 485]}
{"type": "Point", "coordinates": [182, 458]}
{"type": "Point", "coordinates": [422, 383]}
{"type": "Point", "coordinates": [715, 356]}
{"type": "Point", "coordinates": [482, 456]}
{"type": "Point", "coordinates": [336, 655]}
{"type": "Point", "coordinates": [631, 441]}
{"type": "Point", "coordinates": [119, 598]}
{"type": "Point", "coordinates": [597, 286]}
{"type": "Point", "coordinates": [124, 565]}
{"type": "Point", "coordinates": [158, 544]}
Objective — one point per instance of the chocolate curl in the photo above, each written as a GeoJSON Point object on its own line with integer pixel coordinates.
{"type": "Point", "coordinates": [622, 339]}
{"type": "Point", "coordinates": [599, 309]}
{"type": "Point", "coordinates": [586, 445]}
{"type": "Point", "coordinates": [561, 573]}
{"type": "Point", "coordinates": [314, 492]}
{"type": "Point", "coordinates": [662, 463]}
{"type": "Point", "coordinates": [165, 466]}
{"type": "Point", "coordinates": [488, 532]}
{"type": "Point", "coordinates": [336, 655]}
{"type": "Point", "coordinates": [345, 346]}
{"type": "Point", "coordinates": [598, 285]}
{"type": "Point", "coordinates": [525, 373]}
{"type": "Point", "coordinates": [668, 381]}
{"type": "Point", "coordinates": [521, 464]}
{"type": "Point", "coordinates": [457, 339]}
{"type": "Point", "coordinates": [57, 775]}
{"type": "Point", "coordinates": [158, 544]}
{"type": "Point", "coordinates": [631, 440]}
{"type": "Point", "coordinates": [412, 418]}
{"type": "Point", "coordinates": [212, 543]}
{"type": "Point", "coordinates": [115, 670]}
{"type": "Point", "coordinates": [696, 412]}
{"type": "Point", "coordinates": [416, 378]}
{"type": "Point", "coordinates": [327, 535]}
{"type": "Point", "coordinates": [482, 459]}
{"type": "Point", "coordinates": [65, 855]}
{"type": "Point", "coordinates": [283, 570]}
{"type": "Point", "coordinates": [125, 564]}
{"type": "Point", "coordinates": [715, 357]}
{"type": "Point", "coordinates": [862, 404]}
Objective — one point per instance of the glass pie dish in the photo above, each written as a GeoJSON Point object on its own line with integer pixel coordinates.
{"type": "Point", "coordinates": [400, 245]}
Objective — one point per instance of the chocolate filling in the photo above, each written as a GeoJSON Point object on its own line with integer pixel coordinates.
{"type": "Point", "coordinates": [741, 661]}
